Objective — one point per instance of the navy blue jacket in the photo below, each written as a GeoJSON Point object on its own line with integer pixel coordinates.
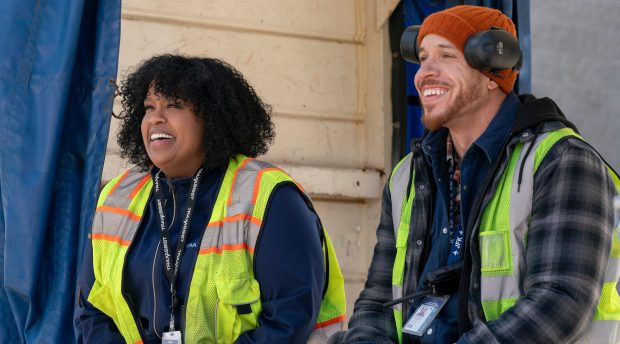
{"type": "Point", "coordinates": [288, 264]}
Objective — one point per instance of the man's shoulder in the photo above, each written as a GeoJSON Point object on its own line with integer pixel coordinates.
{"type": "Point", "coordinates": [573, 148]}
{"type": "Point", "coordinates": [573, 158]}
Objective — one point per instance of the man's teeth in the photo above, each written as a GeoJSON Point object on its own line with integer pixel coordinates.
{"type": "Point", "coordinates": [160, 136]}
{"type": "Point", "coordinates": [434, 91]}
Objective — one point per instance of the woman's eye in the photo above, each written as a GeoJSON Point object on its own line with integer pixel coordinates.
{"type": "Point", "coordinates": [176, 105]}
{"type": "Point", "coordinates": [447, 56]}
{"type": "Point", "coordinates": [148, 107]}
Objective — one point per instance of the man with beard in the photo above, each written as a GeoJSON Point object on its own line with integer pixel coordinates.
{"type": "Point", "coordinates": [497, 227]}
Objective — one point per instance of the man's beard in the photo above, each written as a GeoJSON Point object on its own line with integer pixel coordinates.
{"type": "Point", "coordinates": [468, 96]}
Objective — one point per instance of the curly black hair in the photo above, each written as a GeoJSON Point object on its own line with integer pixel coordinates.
{"type": "Point", "coordinates": [236, 119]}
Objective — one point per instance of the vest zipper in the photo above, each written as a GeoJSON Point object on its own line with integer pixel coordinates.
{"type": "Point", "coordinates": [182, 322]}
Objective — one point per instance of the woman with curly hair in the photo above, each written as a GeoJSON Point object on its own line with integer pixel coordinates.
{"type": "Point", "coordinates": [200, 242]}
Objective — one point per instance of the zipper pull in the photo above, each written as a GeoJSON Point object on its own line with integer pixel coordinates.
{"type": "Point", "coordinates": [182, 324]}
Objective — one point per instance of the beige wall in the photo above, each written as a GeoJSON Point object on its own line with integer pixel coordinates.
{"type": "Point", "coordinates": [324, 66]}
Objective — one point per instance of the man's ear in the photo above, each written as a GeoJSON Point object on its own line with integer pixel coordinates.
{"type": "Point", "coordinates": [491, 85]}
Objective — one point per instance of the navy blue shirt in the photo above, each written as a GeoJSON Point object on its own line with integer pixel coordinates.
{"type": "Point", "coordinates": [288, 265]}
{"type": "Point", "coordinates": [475, 166]}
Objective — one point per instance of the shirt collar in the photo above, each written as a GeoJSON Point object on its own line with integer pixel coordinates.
{"type": "Point", "coordinates": [492, 140]}
{"type": "Point", "coordinates": [435, 141]}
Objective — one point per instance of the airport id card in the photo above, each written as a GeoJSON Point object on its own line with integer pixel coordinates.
{"type": "Point", "coordinates": [425, 314]}
{"type": "Point", "coordinates": [171, 338]}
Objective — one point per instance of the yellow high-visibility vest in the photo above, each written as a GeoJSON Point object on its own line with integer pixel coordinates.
{"type": "Point", "coordinates": [502, 238]}
{"type": "Point", "coordinates": [223, 277]}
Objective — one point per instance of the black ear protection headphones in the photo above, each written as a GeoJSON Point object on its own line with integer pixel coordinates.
{"type": "Point", "coordinates": [488, 51]}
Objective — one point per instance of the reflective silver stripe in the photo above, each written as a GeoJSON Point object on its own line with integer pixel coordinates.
{"type": "Point", "coordinates": [119, 198]}
{"type": "Point", "coordinates": [237, 227]}
{"type": "Point", "coordinates": [119, 224]}
{"type": "Point", "coordinates": [321, 335]}
{"type": "Point", "coordinates": [521, 199]}
{"type": "Point", "coordinates": [613, 270]}
{"type": "Point", "coordinates": [602, 332]}
{"type": "Point", "coordinates": [495, 288]}
{"type": "Point", "coordinates": [239, 232]}
{"type": "Point", "coordinates": [117, 201]}
{"type": "Point", "coordinates": [398, 187]}
{"type": "Point", "coordinates": [116, 225]}
{"type": "Point", "coordinates": [240, 207]}
{"type": "Point", "coordinates": [397, 292]}
{"type": "Point", "coordinates": [228, 232]}
{"type": "Point", "coordinates": [243, 187]}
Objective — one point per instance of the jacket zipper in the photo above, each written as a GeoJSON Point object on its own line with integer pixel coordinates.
{"type": "Point", "coordinates": [154, 290]}
{"type": "Point", "coordinates": [182, 321]}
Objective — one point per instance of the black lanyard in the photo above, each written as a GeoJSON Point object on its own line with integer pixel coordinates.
{"type": "Point", "coordinates": [173, 270]}
{"type": "Point", "coordinates": [454, 213]}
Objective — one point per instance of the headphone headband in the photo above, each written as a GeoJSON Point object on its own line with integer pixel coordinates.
{"type": "Point", "coordinates": [490, 51]}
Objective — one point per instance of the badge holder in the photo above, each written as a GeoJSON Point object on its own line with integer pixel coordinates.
{"type": "Point", "coordinates": [173, 337]}
{"type": "Point", "coordinates": [425, 314]}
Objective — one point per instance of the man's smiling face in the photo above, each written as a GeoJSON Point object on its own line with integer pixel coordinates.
{"type": "Point", "coordinates": [450, 90]}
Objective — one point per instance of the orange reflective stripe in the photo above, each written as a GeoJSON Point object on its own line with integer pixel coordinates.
{"type": "Point", "coordinates": [330, 322]}
{"type": "Point", "coordinates": [120, 211]}
{"type": "Point", "coordinates": [139, 186]}
{"type": "Point", "coordinates": [257, 183]}
{"type": "Point", "coordinates": [138, 342]}
{"type": "Point", "coordinates": [234, 218]}
{"type": "Point", "coordinates": [232, 183]}
{"type": "Point", "coordinates": [226, 247]}
{"type": "Point", "coordinates": [106, 237]}
{"type": "Point", "coordinates": [118, 182]}
{"type": "Point", "coordinates": [300, 188]}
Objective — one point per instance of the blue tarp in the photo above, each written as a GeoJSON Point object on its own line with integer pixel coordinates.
{"type": "Point", "coordinates": [55, 103]}
{"type": "Point", "coordinates": [414, 12]}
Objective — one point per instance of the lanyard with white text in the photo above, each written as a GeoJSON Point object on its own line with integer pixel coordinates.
{"type": "Point", "coordinates": [172, 270]}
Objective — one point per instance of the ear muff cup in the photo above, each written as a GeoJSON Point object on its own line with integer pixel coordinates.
{"type": "Point", "coordinates": [409, 49]}
{"type": "Point", "coordinates": [490, 50]}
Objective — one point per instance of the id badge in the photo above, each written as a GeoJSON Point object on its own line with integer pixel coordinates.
{"type": "Point", "coordinates": [171, 338]}
{"type": "Point", "coordinates": [425, 314]}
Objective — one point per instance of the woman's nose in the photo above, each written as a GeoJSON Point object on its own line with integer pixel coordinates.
{"type": "Point", "coordinates": [156, 115]}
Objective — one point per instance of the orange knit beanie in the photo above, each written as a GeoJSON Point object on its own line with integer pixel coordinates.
{"type": "Point", "coordinates": [458, 23]}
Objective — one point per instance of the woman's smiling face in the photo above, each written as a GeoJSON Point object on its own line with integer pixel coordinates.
{"type": "Point", "coordinates": [172, 135]}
